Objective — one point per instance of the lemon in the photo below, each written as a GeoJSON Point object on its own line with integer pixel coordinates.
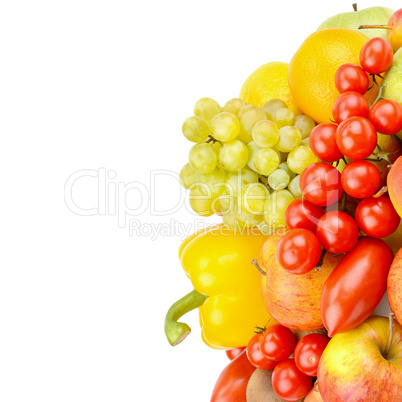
{"type": "Point", "coordinates": [313, 67]}
{"type": "Point", "coordinates": [269, 81]}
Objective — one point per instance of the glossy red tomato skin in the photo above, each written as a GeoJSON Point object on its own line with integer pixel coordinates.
{"type": "Point", "coordinates": [337, 232]}
{"type": "Point", "coordinates": [232, 382]}
{"type": "Point", "coordinates": [355, 287]}
{"type": "Point", "coordinates": [277, 342]}
{"type": "Point", "coordinates": [377, 217]}
{"type": "Point", "coordinates": [323, 143]}
{"type": "Point", "coordinates": [299, 251]}
{"type": "Point", "coordinates": [356, 137]}
{"type": "Point", "coordinates": [386, 116]}
{"type": "Point", "coordinates": [302, 214]}
{"type": "Point", "coordinates": [233, 353]}
{"type": "Point", "coordinates": [321, 184]}
{"type": "Point", "coordinates": [289, 382]}
{"type": "Point", "coordinates": [360, 179]}
{"type": "Point", "coordinates": [256, 357]}
{"type": "Point", "coordinates": [308, 352]}
{"type": "Point", "coordinates": [350, 77]}
{"type": "Point", "coordinates": [376, 56]}
{"type": "Point", "coordinates": [349, 104]}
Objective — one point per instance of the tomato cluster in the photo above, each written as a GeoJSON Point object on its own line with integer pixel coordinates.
{"type": "Point", "coordinates": [272, 348]}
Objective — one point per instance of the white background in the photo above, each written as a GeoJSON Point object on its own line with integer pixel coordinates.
{"type": "Point", "coordinates": [107, 84]}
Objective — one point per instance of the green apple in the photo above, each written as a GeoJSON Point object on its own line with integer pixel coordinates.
{"type": "Point", "coordinates": [357, 366]}
{"type": "Point", "coordinates": [367, 16]}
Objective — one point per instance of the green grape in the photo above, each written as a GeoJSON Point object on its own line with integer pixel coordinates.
{"type": "Point", "coordinates": [294, 187]}
{"type": "Point", "coordinates": [284, 117]}
{"type": "Point", "coordinates": [206, 108]}
{"type": "Point", "coordinates": [202, 158]}
{"type": "Point", "coordinates": [188, 176]}
{"type": "Point", "coordinates": [275, 207]}
{"type": "Point", "coordinates": [200, 204]}
{"type": "Point", "coordinates": [228, 202]}
{"type": "Point", "coordinates": [305, 142]}
{"type": "Point", "coordinates": [340, 165]}
{"type": "Point", "coordinates": [266, 160]}
{"type": "Point", "coordinates": [278, 179]}
{"type": "Point", "coordinates": [299, 158]}
{"type": "Point", "coordinates": [234, 105]}
{"type": "Point", "coordinates": [253, 197]}
{"type": "Point", "coordinates": [272, 106]}
{"type": "Point", "coordinates": [239, 221]}
{"type": "Point", "coordinates": [236, 181]}
{"type": "Point", "coordinates": [211, 184]}
{"type": "Point", "coordinates": [233, 155]}
{"type": "Point", "coordinates": [289, 138]}
{"type": "Point", "coordinates": [195, 129]}
{"type": "Point", "coordinates": [225, 126]}
{"type": "Point", "coordinates": [248, 116]}
{"type": "Point", "coordinates": [252, 148]}
{"type": "Point", "coordinates": [265, 229]}
{"type": "Point", "coordinates": [216, 146]}
{"type": "Point", "coordinates": [265, 133]}
{"type": "Point", "coordinates": [284, 166]}
{"type": "Point", "coordinates": [304, 124]}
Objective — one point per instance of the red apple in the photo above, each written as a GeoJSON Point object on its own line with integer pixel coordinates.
{"type": "Point", "coordinates": [357, 365]}
{"type": "Point", "coordinates": [394, 286]}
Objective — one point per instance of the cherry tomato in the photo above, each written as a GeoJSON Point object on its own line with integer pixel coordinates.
{"type": "Point", "coordinates": [349, 104]}
{"type": "Point", "coordinates": [289, 382]}
{"type": "Point", "coordinates": [321, 184]}
{"type": "Point", "coordinates": [355, 287]}
{"type": "Point", "coordinates": [233, 353]}
{"type": "Point", "coordinates": [356, 137]}
{"type": "Point", "coordinates": [386, 116]}
{"type": "Point", "coordinates": [337, 232]}
{"type": "Point", "coordinates": [232, 382]}
{"type": "Point", "coordinates": [256, 357]}
{"type": "Point", "coordinates": [360, 179]}
{"type": "Point", "coordinates": [376, 56]}
{"type": "Point", "coordinates": [277, 342]}
{"type": "Point", "coordinates": [323, 144]}
{"type": "Point", "coordinates": [299, 251]}
{"type": "Point", "coordinates": [303, 214]}
{"type": "Point", "coordinates": [377, 217]}
{"type": "Point", "coordinates": [308, 353]}
{"type": "Point", "coordinates": [350, 77]}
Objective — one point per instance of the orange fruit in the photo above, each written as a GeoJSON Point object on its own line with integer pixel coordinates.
{"type": "Point", "coordinates": [313, 67]}
{"type": "Point", "coordinates": [269, 81]}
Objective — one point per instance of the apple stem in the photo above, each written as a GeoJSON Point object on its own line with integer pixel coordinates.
{"type": "Point", "coordinates": [381, 192]}
{"type": "Point", "coordinates": [391, 332]}
{"type": "Point", "coordinates": [375, 27]}
{"type": "Point", "coordinates": [260, 270]}
{"type": "Point", "coordinates": [354, 5]}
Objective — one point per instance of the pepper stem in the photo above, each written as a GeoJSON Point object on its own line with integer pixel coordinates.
{"type": "Point", "coordinates": [176, 331]}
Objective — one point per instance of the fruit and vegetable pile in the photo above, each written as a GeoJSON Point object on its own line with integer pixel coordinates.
{"type": "Point", "coordinates": [305, 169]}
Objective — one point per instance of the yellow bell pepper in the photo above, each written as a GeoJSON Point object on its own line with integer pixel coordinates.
{"type": "Point", "coordinates": [226, 287]}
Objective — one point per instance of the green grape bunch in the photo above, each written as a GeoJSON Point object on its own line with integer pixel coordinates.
{"type": "Point", "coordinates": [245, 161]}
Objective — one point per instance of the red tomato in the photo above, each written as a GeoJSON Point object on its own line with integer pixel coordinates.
{"type": "Point", "coordinates": [360, 179]}
{"type": "Point", "coordinates": [349, 104]}
{"type": "Point", "coordinates": [386, 116]}
{"type": "Point", "coordinates": [321, 184]}
{"type": "Point", "coordinates": [351, 78]}
{"type": "Point", "coordinates": [256, 357]}
{"type": "Point", "coordinates": [289, 382]}
{"type": "Point", "coordinates": [356, 137]}
{"type": "Point", "coordinates": [232, 382]}
{"type": "Point", "coordinates": [303, 214]}
{"type": "Point", "coordinates": [376, 56]}
{"type": "Point", "coordinates": [233, 353]}
{"type": "Point", "coordinates": [308, 353]}
{"type": "Point", "coordinates": [337, 232]}
{"type": "Point", "coordinates": [299, 251]}
{"type": "Point", "coordinates": [323, 144]}
{"type": "Point", "coordinates": [355, 287]}
{"type": "Point", "coordinates": [277, 342]}
{"type": "Point", "coordinates": [377, 217]}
